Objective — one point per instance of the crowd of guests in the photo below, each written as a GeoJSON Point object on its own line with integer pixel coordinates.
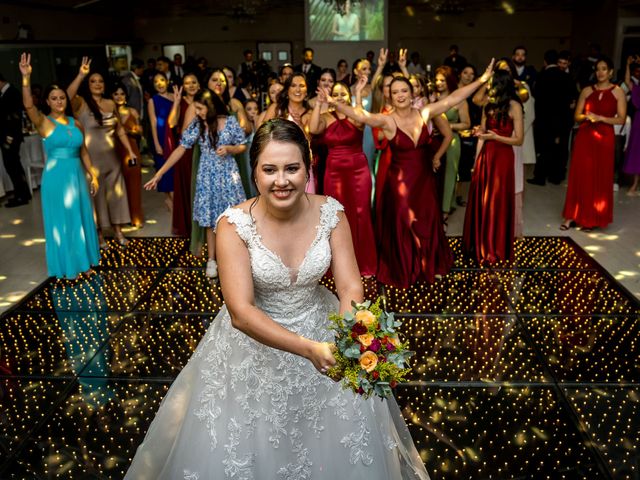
{"type": "Point", "coordinates": [391, 140]}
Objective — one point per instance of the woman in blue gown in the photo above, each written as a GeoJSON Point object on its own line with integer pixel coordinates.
{"type": "Point", "coordinates": [71, 238]}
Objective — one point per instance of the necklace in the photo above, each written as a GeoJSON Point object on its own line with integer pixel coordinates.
{"type": "Point", "coordinates": [297, 117]}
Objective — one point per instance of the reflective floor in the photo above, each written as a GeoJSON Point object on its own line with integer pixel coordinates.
{"type": "Point", "coordinates": [528, 370]}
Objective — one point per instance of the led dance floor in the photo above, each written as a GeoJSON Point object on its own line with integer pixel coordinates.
{"type": "Point", "coordinates": [527, 370]}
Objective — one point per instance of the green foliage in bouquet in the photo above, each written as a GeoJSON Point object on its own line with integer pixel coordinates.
{"type": "Point", "coordinates": [370, 358]}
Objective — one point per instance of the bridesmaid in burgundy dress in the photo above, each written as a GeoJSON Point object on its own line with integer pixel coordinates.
{"type": "Point", "coordinates": [589, 201]}
{"type": "Point", "coordinates": [130, 120]}
{"type": "Point", "coordinates": [179, 120]}
{"type": "Point", "coordinates": [489, 222]}
{"type": "Point", "coordinates": [412, 246]}
{"type": "Point", "coordinates": [347, 177]}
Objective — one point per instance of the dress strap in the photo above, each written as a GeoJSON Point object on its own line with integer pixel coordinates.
{"type": "Point", "coordinates": [242, 221]}
{"type": "Point", "coordinates": [329, 215]}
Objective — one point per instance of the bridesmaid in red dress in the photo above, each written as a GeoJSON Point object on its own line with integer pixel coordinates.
{"type": "Point", "coordinates": [181, 216]}
{"type": "Point", "coordinates": [347, 177]}
{"type": "Point", "coordinates": [130, 120]}
{"type": "Point", "coordinates": [412, 246]}
{"type": "Point", "coordinates": [489, 222]}
{"type": "Point", "coordinates": [589, 201]}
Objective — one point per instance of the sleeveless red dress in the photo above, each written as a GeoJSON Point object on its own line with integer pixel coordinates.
{"type": "Point", "coordinates": [589, 199]}
{"type": "Point", "coordinates": [489, 222]}
{"type": "Point", "coordinates": [382, 147]}
{"type": "Point", "coordinates": [181, 217]}
{"type": "Point", "coordinates": [132, 174]}
{"type": "Point", "coordinates": [411, 240]}
{"type": "Point", "coordinates": [347, 179]}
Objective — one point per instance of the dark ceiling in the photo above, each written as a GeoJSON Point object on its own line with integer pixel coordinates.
{"type": "Point", "coordinates": [253, 8]}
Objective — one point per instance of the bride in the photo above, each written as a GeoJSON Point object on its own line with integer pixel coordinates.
{"type": "Point", "coordinates": [253, 402]}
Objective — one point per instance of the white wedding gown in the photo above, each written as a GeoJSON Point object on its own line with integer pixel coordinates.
{"type": "Point", "coordinates": [242, 410]}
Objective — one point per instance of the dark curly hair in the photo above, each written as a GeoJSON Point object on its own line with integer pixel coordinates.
{"type": "Point", "coordinates": [215, 108]}
{"type": "Point", "coordinates": [501, 91]}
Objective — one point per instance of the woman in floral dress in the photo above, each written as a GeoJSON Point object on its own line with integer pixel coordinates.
{"type": "Point", "coordinates": [218, 184]}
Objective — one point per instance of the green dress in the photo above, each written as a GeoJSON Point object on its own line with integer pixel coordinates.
{"type": "Point", "coordinates": [453, 159]}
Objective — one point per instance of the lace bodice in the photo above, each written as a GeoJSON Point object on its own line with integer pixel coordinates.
{"type": "Point", "coordinates": [280, 291]}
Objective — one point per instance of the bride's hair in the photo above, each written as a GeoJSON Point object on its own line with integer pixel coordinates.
{"type": "Point", "coordinates": [279, 130]}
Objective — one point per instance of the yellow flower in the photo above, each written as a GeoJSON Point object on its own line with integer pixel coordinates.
{"type": "Point", "coordinates": [367, 318]}
{"type": "Point", "coordinates": [395, 340]}
{"type": "Point", "coordinates": [368, 361]}
{"type": "Point", "coordinates": [366, 339]}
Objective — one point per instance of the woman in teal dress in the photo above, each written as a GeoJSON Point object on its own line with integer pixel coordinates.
{"type": "Point", "coordinates": [71, 237]}
{"type": "Point", "coordinates": [458, 117]}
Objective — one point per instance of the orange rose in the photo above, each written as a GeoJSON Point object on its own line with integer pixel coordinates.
{"type": "Point", "coordinates": [366, 339]}
{"type": "Point", "coordinates": [367, 318]}
{"type": "Point", "coordinates": [368, 361]}
{"type": "Point", "coordinates": [395, 340]}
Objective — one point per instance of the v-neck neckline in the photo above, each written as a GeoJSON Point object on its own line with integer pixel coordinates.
{"type": "Point", "coordinates": [414, 143]}
{"type": "Point", "coordinates": [277, 257]}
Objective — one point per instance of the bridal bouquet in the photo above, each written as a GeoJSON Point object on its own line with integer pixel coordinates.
{"type": "Point", "coordinates": [370, 358]}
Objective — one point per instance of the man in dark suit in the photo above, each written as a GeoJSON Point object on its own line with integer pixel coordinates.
{"type": "Point", "coordinates": [177, 69]}
{"type": "Point", "coordinates": [525, 73]}
{"type": "Point", "coordinates": [456, 61]}
{"type": "Point", "coordinates": [247, 70]}
{"type": "Point", "coordinates": [10, 140]}
{"type": "Point", "coordinates": [555, 93]}
{"type": "Point", "coordinates": [132, 81]}
{"type": "Point", "coordinates": [310, 70]}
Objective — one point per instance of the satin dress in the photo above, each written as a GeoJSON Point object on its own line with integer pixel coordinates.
{"type": "Point", "coordinates": [489, 222]}
{"type": "Point", "coordinates": [589, 199]}
{"type": "Point", "coordinates": [347, 179]}
{"type": "Point", "coordinates": [181, 215]}
{"type": "Point", "coordinates": [112, 206]}
{"type": "Point", "coordinates": [632, 155]}
{"type": "Point", "coordinates": [71, 238]}
{"type": "Point", "coordinates": [162, 108]}
{"type": "Point", "coordinates": [132, 173]}
{"type": "Point", "coordinates": [412, 246]}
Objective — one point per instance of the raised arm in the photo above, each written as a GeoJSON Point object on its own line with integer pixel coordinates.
{"type": "Point", "coordinates": [458, 95]}
{"type": "Point", "coordinates": [402, 62]}
{"type": "Point", "coordinates": [382, 61]}
{"type": "Point", "coordinates": [268, 114]}
{"type": "Point", "coordinates": [234, 269]}
{"type": "Point", "coordinates": [72, 89]}
{"type": "Point", "coordinates": [480, 98]}
{"type": "Point", "coordinates": [241, 115]}
{"type": "Point", "coordinates": [627, 73]}
{"type": "Point", "coordinates": [42, 124]}
{"type": "Point", "coordinates": [317, 123]}
{"type": "Point", "coordinates": [360, 115]}
{"type": "Point", "coordinates": [174, 114]}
